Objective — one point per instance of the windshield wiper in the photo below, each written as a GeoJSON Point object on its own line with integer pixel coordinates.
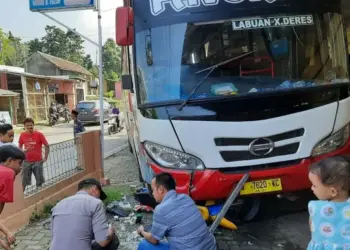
{"type": "Point", "coordinates": [211, 69]}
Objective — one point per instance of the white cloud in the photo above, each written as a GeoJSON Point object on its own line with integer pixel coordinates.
{"type": "Point", "coordinates": [90, 26]}
{"type": "Point", "coordinates": [29, 25]}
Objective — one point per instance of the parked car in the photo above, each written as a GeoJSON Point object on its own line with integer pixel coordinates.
{"type": "Point", "coordinates": [89, 111]}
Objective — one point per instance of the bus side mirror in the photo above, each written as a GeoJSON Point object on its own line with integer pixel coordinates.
{"type": "Point", "coordinates": [127, 83]}
{"type": "Point", "coordinates": [124, 26]}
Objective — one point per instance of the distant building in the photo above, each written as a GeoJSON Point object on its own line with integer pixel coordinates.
{"type": "Point", "coordinates": [24, 94]}
{"type": "Point", "coordinates": [44, 64]}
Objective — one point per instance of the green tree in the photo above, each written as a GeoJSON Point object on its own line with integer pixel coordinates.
{"type": "Point", "coordinates": [12, 50]}
{"type": "Point", "coordinates": [94, 71]}
{"type": "Point", "coordinates": [56, 42]}
{"type": "Point", "coordinates": [87, 62]}
{"type": "Point", "coordinates": [111, 62]}
{"type": "Point", "coordinates": [75, 48]}
{"type": "Point", "coordinates": [35, 46]}
{"type": "Point", "coordinates": [18, 51]}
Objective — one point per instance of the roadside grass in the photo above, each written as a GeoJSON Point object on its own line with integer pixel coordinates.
{"type": "Point", "coordinates": [113, 194]}
{"type": "Point", "coordinates": [44, 213]}
{"type": "Point", "coordinates": [116, 193]}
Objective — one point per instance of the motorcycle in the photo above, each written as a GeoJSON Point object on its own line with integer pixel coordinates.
{"type": "Point", "coordinates": [63, 112]}
{"type": "Point", "coordinates": [54, 119]}
{"type": "Point", "coordinates": [114, 124]}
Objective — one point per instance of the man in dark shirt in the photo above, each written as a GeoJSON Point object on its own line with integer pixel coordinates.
{"type": "Point", "coordinates": [78, 125]}
{"type": "Point", "coordinates": [78, 128]}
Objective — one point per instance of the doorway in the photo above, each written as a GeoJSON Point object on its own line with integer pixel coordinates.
{"type": "Point", "coordinates": [80, 95]}
{"type": "Point", "coordinates": [61, 99]}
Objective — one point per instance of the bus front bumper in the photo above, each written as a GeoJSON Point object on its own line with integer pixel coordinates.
{"type": "Point", "coordinates": [213, 184]}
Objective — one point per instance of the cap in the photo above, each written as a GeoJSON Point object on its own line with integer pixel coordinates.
{"type": "Point", "coordinates": [93, 182]}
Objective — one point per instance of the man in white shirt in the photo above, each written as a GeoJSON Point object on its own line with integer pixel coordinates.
{"type": "Point", "coordinates": [7, 134]}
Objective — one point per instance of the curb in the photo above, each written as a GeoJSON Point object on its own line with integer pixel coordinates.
{"type": "Point", "coordinates": [115, 151]}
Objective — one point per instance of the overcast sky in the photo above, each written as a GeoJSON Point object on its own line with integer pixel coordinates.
{"type": "Point", "coordinates": [16, 17]}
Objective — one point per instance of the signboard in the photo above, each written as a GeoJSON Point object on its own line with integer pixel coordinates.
{"type": "Point", "coordinates": [270, 22]}
{"type": "Point", "coordinates": [61, 5]}
{"type": "Point", "coordinates": [53, 87]}
{"type": "Point", "coordinates": [5, 117]}
{"type": "Point", "coordinates": [159, 6]}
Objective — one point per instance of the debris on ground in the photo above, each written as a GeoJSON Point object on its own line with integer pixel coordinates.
{"type": "Point", "coordinates": [143, 208]}
{"type": "Point", "coordinates": [118, 208]}
{"type": "Point", "coordinates": [143, 196]}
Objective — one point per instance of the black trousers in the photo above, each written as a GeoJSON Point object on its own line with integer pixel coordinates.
{"type": "Point", "coordinates": [111, 246]}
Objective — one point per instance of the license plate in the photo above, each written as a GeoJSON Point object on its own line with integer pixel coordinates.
{"type": "Point", "coordinates": [263, 186]}
{"type": "Point", "coordinates": [84, 113]}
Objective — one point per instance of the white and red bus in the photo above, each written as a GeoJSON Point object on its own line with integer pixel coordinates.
{"type": "Point", "coordinates": [218, 88]}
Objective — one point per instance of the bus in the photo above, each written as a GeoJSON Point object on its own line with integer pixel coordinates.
{"type": "Point", "coordinates": [215, 89]}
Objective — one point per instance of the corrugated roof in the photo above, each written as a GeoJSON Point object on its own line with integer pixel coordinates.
{"type": "Point", "coordinates": [54, 78]}
{"type": "Point", "coordinates": [65, 65]}
{"type": "Point", "coordinates": [6, 93]}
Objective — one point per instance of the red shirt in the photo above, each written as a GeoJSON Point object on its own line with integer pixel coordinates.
{"type": "Point", "coordinates": [33, 143]}
{"type": "Point", "coordinates": [7, 177]}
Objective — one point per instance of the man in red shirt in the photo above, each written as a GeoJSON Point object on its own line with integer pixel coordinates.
{"type": "Point", "coordinates": [32, 141]}
{"type": "Point", "coordinates": [11, 159]}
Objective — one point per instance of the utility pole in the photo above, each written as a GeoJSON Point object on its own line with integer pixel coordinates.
{"type": "Point", "coordinates": [96, 56]}
{"type": "Point", "coordinates": [100, 73]}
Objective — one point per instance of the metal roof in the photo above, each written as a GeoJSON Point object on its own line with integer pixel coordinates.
{"type": "Point", "coordinates": [64, 64]}
{"type": "Point", "coordinates": [7, 93]}
{"type": "Point", "coordinates": [55, 78]}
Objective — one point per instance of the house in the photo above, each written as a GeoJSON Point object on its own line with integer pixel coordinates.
{"type": "Point", "coordinates": [24, 94]}
{"type": "Point", "coordinates": [44, 64]}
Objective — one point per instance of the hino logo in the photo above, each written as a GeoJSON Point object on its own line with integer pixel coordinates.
{"type": "Point", "coordinates": [261, 146]}
{"type": "Point", "coordinates": [158, 6]}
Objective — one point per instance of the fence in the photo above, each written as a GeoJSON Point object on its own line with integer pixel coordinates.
{"type": "Point", "coordinates": [65, 159]}
{"type": "Point", "coordinates": [62, 178]}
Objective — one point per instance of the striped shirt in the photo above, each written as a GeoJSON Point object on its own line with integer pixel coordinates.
{"type": "Point", "coordinates": [178, 219]}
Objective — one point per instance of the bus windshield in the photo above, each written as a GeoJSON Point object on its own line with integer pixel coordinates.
{"type": "Point", "coordinates": [253, 54]}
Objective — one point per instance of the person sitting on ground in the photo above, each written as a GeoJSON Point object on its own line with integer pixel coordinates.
{"type": "Point", "coordinates": [7, 134]}
{"type": "Point", "coordinates": [79, 222]}
{"type": "Point", "coordinates": [11, 159]}
{"type": "Point", "coordinates": [177, 218]}
{"type": "Point", "coordinates": [32, 141]}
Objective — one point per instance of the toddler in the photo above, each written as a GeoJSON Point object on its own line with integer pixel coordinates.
{"type": "Point", "coordinates": [330, 215]}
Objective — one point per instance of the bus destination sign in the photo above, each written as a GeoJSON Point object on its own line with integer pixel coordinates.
{"type": "Point", "coordinates": [270, 22]}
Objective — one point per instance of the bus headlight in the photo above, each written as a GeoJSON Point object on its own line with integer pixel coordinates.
{"type": "Point", "coordinates": [171, 158]}
{"type": "Point", "coordinates": [333, 142]}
